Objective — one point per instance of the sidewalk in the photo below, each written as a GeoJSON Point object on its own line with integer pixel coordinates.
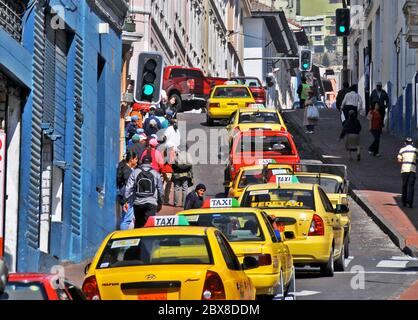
{"type": "Point", "coordinates": [375, 182]}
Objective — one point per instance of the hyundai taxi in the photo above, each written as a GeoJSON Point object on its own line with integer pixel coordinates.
{"type": "Point", "coordinates": [313, 228]}
{"type": "Point", "coordinates": [168, 260]}
{"type": "Point", "coordinates": [250, 233]}
{"type": "Point", "coordinates": [260, 147]}
{"type": "Point", "coordinates": [225, 100]}
{"type": "Point", "coordinates": [254, 118]}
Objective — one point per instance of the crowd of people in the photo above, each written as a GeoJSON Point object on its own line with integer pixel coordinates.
{"type": "Point", "coordinates": [154, 161]}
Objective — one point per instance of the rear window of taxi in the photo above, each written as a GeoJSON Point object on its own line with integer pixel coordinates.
{"type": "Point", "coordinates": [264, 143]}
{"type": "Point", "coordinates": [256, 176]}
{"type": "Point", "coordinates": [156, 250]}
{"type": "Point", "coordinates": [258, 117]}
{"type": "Point", "coordinates": [237, 227]}
{"type": "Point", "coordinates": [279, 198]}
{"type": "Point", "coordinates": [232, 92]}
{"type": "Point", "coordinates": [328, 185]}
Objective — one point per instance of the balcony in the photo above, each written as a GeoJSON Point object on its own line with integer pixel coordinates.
{"type": "Point", "coordinates": [11, 13]}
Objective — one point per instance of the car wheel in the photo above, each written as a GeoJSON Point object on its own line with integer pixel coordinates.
{"type": "Point", "coordinates": [327, 269]}
{"type": "Point", "coordinates": [280, 294]}
{"type": "Point", "coordinates": [209, 120]}
{"type": "Point", "coordinates": [339, 264]}
{"type": "Point", "coordinates": [346, 247]}
{"type": "Point", "coordinates": [290, 289]}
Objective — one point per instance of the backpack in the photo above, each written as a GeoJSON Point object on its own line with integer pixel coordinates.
{"type": "Point", "coordinates": [145, 184]}
{"type": "Point", "coordinates": [312, 113]}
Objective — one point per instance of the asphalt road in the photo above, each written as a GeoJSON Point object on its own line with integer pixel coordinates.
{"type": "Point", "coordinates": [376, 269]}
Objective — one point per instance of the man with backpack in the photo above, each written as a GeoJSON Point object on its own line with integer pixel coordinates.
{"type": "Point", "coordinates": [145, 191]}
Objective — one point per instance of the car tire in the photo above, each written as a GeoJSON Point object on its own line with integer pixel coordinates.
{"type": "Point", "coordinates": [180, 103]}
{"type": "Point", "coordinates": [209, 120]}
{"type": "Point", "coordinates": [339, 264]}
{"type": "Point", "coordinates": [327, 269]}
{"type": "Point", "coordinates": [290, 288]}
{"type": "Point", "coordinates": [346, 246]}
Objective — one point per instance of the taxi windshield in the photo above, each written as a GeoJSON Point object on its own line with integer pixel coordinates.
{"type": "Point", "coordinates": [329, 185]}
{"type": "Point", "coordinates": [258, 117]}
{"type": "Point", "coordinates": [237, 227]}
{"type": "Point", "coordinates": [156, 250]}
{"type": "Point", "coordinates": [255, 176]}
{"type": "Point", "coordinates": [279, 198]}
{"type": "Point", "coordinates": [231, 92]}
{"type": "Point", "coordinates": [264, 143]}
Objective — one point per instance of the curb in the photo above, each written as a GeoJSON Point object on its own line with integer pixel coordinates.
{"type": "Point", "coordinates": [383, 224]}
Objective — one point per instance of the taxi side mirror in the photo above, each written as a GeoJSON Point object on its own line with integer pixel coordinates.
{"type": "Point", "coordinates": [86, 268]}
{"type": "Point", "coordinates": [341, 208]}
{"type": "Point", "coordinates": [249, 263]}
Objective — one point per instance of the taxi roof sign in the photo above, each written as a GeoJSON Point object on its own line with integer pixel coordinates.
{"type": "Point", "coordinates": [286, 179]}
{"type": "Point", "coordinates": [221, 203]}
{"type": "Point", "coordinates": [166, 221]}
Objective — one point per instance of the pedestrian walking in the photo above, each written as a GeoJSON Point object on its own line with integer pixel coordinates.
{"type": "Point", "coordinates": [407, 156]}
{"type": "Point", "coordinates": [144, 190]}
{"type": "Point", "coordinates": [341, 95]}
{"type": "Point", "coordinates": [131, 128]}
{"type": "Point", "coordinates": [124, 170]}
{"type": "Point", "coordinates": [167, 172]}
{"type": "Point", "coordinates": [157, 159]}
{"type": "Point", "coordinates": [351, 132]}
{"type": "Point", "coordinates": [352, 101]}
{"type": "Point", "coordinates": [303, 91]}
{"type": "Point", "coordinates": [151, 124]}
{"type": "Point", "coordinates": [172, 135]}
{"type": "Point", "coordinates": [182, 177]}
{"type": "Point", "coordinates": [376, 125]}
{"type": "Point", "coordinates": [138, 144]}
{"type": "Point", "coordinates": [380, 96]}
{"type": "Point", "coordinates": [136, 111]}
{"type": "Point", "coordinates": [194, 199]}
{"type": "Point", "coordinates": [172, 106]}
{"type": "Point", "coordinates": [311, 116]}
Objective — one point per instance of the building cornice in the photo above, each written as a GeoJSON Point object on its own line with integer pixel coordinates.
{"type": "Point", "coordinates": [113, 11]}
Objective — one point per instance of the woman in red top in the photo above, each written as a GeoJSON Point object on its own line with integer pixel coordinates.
{"type": "Point", "coordinates": [157, 158]}
{"type": "Point", "coordinates": [376, 125]}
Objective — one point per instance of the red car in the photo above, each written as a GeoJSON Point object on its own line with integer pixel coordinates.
{"type": "Point", "coordinates": [256, 88]}
{"type": "Point", "coordinates": [259, 147]}
{"type": "Point", "coordinates": [188, 85]}
{"type": "Point", "coordinates": [40, 286]}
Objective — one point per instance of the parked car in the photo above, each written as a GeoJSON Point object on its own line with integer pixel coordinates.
{"type": "Point", "coordinates": [255, 85]}
{"type": "Point", "coordinates": [189, 86]}
{"type": "Point", "coordinates": [40, 286]}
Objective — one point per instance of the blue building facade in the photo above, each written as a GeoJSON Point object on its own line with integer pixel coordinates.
{"type": "Point", "coordinates": [68, 63]}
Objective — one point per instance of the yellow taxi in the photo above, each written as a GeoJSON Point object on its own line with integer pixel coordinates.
{"type": "Point", "coordinates": [168, 260]}
{"type": "Point", "coordinates": [225, 100]}
{"type": "Point", "coordinates": [255, 118]}
{"type": "Point", "coordinates": [313, 228]}
{"type": "Point", "coordinates": [255, 175]}
{"type": "Point", "coordinates": [250, 232]}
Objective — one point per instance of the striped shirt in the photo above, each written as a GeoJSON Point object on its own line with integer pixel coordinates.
{"type": "Point", "coordinates": [408, 157]}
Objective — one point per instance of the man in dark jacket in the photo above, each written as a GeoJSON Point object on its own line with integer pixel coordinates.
{"type": "Point", "coordinates": [379, 95]}
{"type": "Point", "coordinates": [341, 94]}
{"type": "Point", "coordinates": [194, 199]}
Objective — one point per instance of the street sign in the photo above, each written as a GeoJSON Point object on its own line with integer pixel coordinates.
{"type": "Point", "coordinates": [149, 81]}
{"type": "Point", "coordinates": [2, 191]}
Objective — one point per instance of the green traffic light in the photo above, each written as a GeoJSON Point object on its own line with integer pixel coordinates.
{"type": "Point", "coordinates": [148, 89]}
{"type": "Point", "coordinates": [342, 29]}
{"type": "Point", "coordinates": [305, 66]}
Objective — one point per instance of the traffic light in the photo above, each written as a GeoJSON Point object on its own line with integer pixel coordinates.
{"type": "Point", "coordinates": [342, 21]}
{"type": "Point", "coordinates": [149, 78]}
{"type": "Point", "coordinates": [305, 60]}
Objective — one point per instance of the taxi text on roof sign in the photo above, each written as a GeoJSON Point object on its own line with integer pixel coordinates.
{"type": "Point", "coordinates": [285, 178]}
{"type": "Point", "coordinates": [165, 221]}
{"type": "Point", "coordinates": [221, 203]}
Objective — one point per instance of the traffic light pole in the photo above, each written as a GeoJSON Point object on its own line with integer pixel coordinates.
{"type": "Point", "coordinates": [345, 53]}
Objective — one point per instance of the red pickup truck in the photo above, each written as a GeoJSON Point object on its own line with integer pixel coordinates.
{"type": "Point", "coordinates": [189, 86]}
{"type": "Point", "coordinates": [256, 88]}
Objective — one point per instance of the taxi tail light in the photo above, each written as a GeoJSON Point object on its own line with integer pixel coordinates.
{"type": "Point", "coordinates": [191, 84]}
{"type": "Point", "coordinates": [91, 289]}
{"type": "Point", "coordinates": [317, 226]}
{"type": "Point", "coordinates": [213, 289]}
{"type": "Point", "coordinates": [249, 104]}
{"type": "Point", "coordinates": [263, 259]}
{"type": "Point", "coordinates": [214, 105]}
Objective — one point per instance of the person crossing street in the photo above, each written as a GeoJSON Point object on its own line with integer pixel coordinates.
{"type": "Point", "coordinates": [407, 156]}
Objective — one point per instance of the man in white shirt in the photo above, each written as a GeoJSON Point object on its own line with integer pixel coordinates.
{"type": "Point", "coordinates": [408, 157]}
{"type": "Point", "coordinates": [172, 135]}
{"type": "Point", "coordinates": [352, 101]}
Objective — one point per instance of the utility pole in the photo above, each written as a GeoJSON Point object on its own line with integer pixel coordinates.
{"type": "Point", "coordinates": [345, 52]}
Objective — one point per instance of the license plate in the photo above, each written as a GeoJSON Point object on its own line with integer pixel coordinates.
{"type": "Point", "coordinates": [152, 295]}
{"type": "Point", "coordinates": [265, 161]}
